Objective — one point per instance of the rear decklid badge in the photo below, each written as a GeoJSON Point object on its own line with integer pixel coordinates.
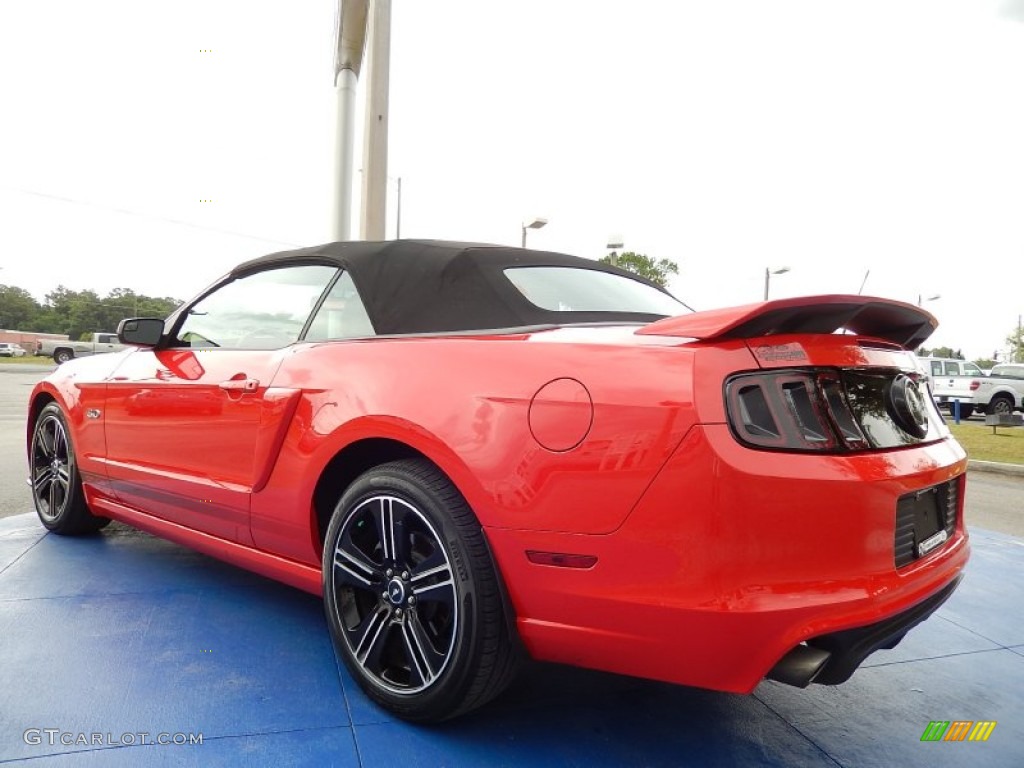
{"type": "Point", "coordinates": [905, 403]}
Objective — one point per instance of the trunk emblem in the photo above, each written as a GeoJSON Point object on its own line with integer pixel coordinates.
{"type": "Point", "coordinates": [906, 405]}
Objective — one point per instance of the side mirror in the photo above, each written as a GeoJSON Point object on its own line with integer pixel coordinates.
{"type": "Point", "coordinates": [140, 331]}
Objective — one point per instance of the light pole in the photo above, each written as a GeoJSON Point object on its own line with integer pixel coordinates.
{"type": "Point", "coordinates": [350, 42]}
{"type": "Point", "coordinates": [535, 223]}
{"type": "Point", "coordinates": [375, 125]}
{"type": "Point", "coordinates": [398, 209]}
{"type": "Point", "coordinates": [614, 244]}
{"type": "Point", "coordinates": [1020, 357]}
{"type": "Point", "coordinates": [768, 272]}
{"type": "Point", "coordinates": [921, 300]}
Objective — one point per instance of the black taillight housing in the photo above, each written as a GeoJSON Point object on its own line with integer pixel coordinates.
{"type": "Point", "coordinates": [822, 410]}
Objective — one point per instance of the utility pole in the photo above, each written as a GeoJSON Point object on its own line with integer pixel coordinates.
{"type": "Point", "coordinates": [350, 40]}
{"type": "Point", "coordinates": [375, 133]}
{"type": "Point", "coordinates": [1020, 357]}
{"type": "Point", "coordinates": [398, 212]}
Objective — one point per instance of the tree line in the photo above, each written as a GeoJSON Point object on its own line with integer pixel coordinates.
{"type": "Point", "coordinates": [1014, 341]}
{"type": "Point", "coordinates": [77, 313]}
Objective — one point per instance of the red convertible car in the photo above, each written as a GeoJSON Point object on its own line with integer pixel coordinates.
{"type": "Point", "coordinates": [476, 453]}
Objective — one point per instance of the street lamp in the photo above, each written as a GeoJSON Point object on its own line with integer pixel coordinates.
{"type": "Point", "coordinates": [536, 223]}
{"type": "Point", "coordinates": [613, 245]}
{"type": "Point", "coordinates": [921, 300]}
{"type": "Point", "coordinates": [768, 272]}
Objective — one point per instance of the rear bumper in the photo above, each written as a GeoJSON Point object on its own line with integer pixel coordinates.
{"type": "Point", "coordinates": [734, 557]}
{"type": "Point", "coordinates": [832, 659]}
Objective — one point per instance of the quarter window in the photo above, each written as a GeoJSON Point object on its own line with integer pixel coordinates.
{"type": "Point", "coordinates": [570, 289]}
{"type": "Point", "coordinates": [265, 310]}
{"type": "Point", "coordinates": [342, 315]}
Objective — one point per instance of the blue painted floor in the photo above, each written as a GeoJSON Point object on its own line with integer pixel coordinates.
{"type": "Point", "coordinates": [123, 634]}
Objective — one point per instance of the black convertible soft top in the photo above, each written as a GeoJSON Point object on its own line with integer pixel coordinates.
{"type": "Point", "coordinates": [434, 286]}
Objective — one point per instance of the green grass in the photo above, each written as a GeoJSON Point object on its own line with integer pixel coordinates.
{"type": "Point", "coordinates": [1006, 445]}
{"type": "Point", "coordinates": [26, 360]}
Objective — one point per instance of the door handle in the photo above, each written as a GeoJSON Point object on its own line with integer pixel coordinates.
{"type": "Point", "coordinates": [241, 384]}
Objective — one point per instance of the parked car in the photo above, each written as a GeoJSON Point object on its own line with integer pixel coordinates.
{"type": "Point", "coordinates": [473, 452]}
{"type": "Point", "coordinates": [950, 382]}
{"type": "Point", "coordinates": [63, 350]}
{"type": "Point", "coordinates": [1000, 390]}
{"type": "Point", "coordinates": [939, 367]}
{"type": "Point", "coordinates": [9, 349]}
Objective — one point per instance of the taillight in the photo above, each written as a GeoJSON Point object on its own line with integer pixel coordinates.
{"type": "Point", "coordinates": [794, 410]}
{"type": "Point", "coordinates": [782, 409]}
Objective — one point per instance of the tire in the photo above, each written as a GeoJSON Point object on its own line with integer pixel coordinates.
{"type": "Point", "coordinates": [412, 597]}
{"type": "Point", "coordinates": [1000, 404]}
{"type": "Point", "coordinates": [63, 355]}
{"type": "Point", "coordinates": [56, 485]}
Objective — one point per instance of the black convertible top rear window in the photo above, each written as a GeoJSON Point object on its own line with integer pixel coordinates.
{"type": "Point", "coordinates": [430, 286]}
{"type": "Point", "coordinates": [569, 289]}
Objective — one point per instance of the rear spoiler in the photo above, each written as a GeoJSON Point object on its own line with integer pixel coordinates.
{"type": "Point", "coordinates": [894, 321]}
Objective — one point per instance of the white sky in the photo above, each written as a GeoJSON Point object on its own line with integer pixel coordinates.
{"type": "Point", "coordinates": [728, 135]}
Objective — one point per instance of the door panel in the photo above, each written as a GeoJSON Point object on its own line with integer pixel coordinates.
{"type": "Point", "coordinates": [192, 428]}
{"type": "Point", "coordinates": [182, 428]}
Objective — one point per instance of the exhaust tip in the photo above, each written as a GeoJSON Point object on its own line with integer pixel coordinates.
{"type": "Point", "coordinates": [800, 666]}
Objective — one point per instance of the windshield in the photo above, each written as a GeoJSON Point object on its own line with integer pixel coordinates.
{"type": "Point", "coordinates": [570, 289]}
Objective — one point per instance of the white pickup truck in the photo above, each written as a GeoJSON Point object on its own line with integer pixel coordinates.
{"type": "Point", "coordinates": [1002, 391]}
{"type": "Point", "coordinates": [63, 350]}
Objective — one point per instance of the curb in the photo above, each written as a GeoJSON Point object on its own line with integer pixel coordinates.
{"type": "Point", "coordinates": [995, 467]}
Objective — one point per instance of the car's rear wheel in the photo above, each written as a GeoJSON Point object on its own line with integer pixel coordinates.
{"type": "Point", "coordinates": [1000, 404]}
{"type": "Point", "coordinates": [56, 485]}
{"type": "Point", "coordinates": [63, 355]}
{"type": "Point", "coordinates": [412, 597]}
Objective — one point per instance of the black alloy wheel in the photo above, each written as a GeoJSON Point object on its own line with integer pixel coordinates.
{"type": "Point", "coordinates": [411, 595]}
{"type": "Point", "coordinates": [56, 485]}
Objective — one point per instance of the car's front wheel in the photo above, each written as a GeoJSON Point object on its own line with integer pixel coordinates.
{"type": "Point", "coordinates": [412, 597]}
{"type": "Point", "coordinates": [56, 485]}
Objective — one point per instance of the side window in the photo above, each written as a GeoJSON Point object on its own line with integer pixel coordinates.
{"type": "Point", "coordinates": [265, 310]}
{"type": "Point", "coordinates": [936, 368]}
{"type": "Point", "coordinates": [972, 370]}
{"type": "Point", "coordinates": [342, 315]}
{"type": "Point", "coordinates": [952, 369]}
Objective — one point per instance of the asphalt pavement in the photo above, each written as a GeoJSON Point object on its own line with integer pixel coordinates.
{"type": "Point", "coordinates": [16, 382]}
